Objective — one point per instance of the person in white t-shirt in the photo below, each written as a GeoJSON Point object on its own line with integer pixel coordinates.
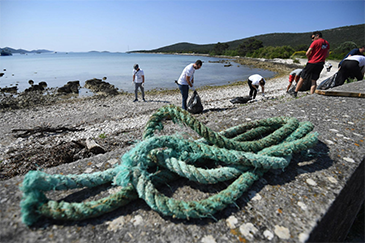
{"type": "Point", "coordinates": [186, 80]}
{"type": "Point", "coordinates": [254, 81]}
{"type": "Point", "coordinates": [351, 67]}
{"type": "Point", "coordinates": [294, 76]}
{"type": "Point", "coordinates": [138, 80]}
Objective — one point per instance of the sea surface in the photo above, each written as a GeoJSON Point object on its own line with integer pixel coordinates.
{"type": "Point", "coordinates": [161, 70]}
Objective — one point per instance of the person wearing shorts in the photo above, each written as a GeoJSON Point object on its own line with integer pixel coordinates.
{"type": "Point", "coordinates": [294, 75]}
{"type": "Point", "coordinates": [317, 53]}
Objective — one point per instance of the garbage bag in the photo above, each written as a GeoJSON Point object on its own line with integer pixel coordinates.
{"type": "Point", "coordinates": [194, 104]}
{"type": "Point", "coordinates": [240, 100]}
{"type": "Point", "coordinates": [328, 83]}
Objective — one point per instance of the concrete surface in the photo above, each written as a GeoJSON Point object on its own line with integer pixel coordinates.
{"type": "Point", "coordinates": [315, 199]}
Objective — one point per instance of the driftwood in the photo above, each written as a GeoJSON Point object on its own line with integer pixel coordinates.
{"type": "Point", "coordinates": [93, 147]}
{"type": "Point", "coordinates": [42, 130]}
{"type": "Point", "coordinates": [340, 93]}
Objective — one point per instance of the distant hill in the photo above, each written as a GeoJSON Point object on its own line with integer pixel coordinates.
{"type": "Point", "coordinates": [335, 37]}
{"type": "Point", "coordinates": [21, 51]}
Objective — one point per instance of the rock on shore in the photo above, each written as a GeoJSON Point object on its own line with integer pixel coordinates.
{"type": "Point", "coordinates": [111, 120]}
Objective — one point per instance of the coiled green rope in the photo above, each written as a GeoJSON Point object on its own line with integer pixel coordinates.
{"type": "Point", "coordinates": [242, 153]}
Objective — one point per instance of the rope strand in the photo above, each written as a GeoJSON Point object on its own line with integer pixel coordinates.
{"type": "Point", "coordinates": [242, 153]}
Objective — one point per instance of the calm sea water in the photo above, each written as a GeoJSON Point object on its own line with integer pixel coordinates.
{"type": "Point", "coordinates": [160, 70]}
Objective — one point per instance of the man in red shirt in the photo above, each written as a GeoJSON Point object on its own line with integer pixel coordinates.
{"type": "Point", "coordinates": [317, 53]}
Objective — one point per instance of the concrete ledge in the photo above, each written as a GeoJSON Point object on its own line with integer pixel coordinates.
{"type": "Point", "coordinates": [314, 199]}
{"type": "Point", "coordinates": [336, 223]}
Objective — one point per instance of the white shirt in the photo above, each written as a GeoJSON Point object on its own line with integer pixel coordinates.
{"type": "Point", "coordinates": [189, 70]}
{"type": "Point", "coordinates": [255, 79]}
{"type": "Point", "coordinates": [138, 75]}
{"type": "Point", "coordinates": [359, 58]}
{"type": "Point", "coordinates": [296, 72]}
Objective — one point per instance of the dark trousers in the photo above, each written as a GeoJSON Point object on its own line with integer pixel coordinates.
{"type": "Point", "coordinates": [184, 90]}
{"type": "Point", "coordinates": [349, 69]}
{"type": "Point", "coordinates": [253, 89]}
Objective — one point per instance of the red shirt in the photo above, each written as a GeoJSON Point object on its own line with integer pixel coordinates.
{"type": "Point", "coordinates": [320, 49]}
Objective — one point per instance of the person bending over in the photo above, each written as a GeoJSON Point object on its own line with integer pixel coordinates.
{"type": "Point", "coordinates": [186, 80]}
{"type": "Point", "coordinates": [254, 81]}
{"type": "Point", "coordinates": [352, 67]}
{"type": "Point", "coordinates": [294, 75]}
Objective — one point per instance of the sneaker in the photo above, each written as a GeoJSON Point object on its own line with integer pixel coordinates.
{"type": "Point", "coordinates": [135, 100]}
{"type": "Point", "coordinates": [294, 94]}
{"type": "Point", "coordinates": [144, 100]}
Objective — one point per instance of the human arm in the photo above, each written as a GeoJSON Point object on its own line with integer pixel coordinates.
{"type": "Point", "coordinates": [262, 89]}
{"type": "Point", "coordinates": [142, 78]}
{"type": "Point", "coordinates": [309, 52]}
{"type": "Point", "coordinates": [134, 76]}
{"type": "Point", "coordinates": [188, 81]}
{"type": "Point", "coordinates": [287, 89]}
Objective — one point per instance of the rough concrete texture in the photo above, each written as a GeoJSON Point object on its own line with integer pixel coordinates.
{"type": "Point", "coordinates": [314, 199]}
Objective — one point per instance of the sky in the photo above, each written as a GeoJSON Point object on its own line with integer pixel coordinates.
{"type": "Point", "coordinates": [127, 25]}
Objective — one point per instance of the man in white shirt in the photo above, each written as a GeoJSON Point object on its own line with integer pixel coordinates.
{"type": "Point", "coordinates": [351, 67]}
{"type": "Point", "coordinates": [138, 79]}
{"type": "Point", "coordinates": [186, 80]}
{"type": "Point", "coordinates": [254, 81]}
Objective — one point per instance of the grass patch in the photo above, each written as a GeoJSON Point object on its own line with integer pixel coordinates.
{"type": "Point", "coordinates": [102, 136]}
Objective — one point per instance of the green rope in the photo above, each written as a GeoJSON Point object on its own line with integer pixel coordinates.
{"type": "Point", "coordinates": [242, 153]}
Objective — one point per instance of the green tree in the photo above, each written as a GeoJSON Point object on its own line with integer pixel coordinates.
{"type": "Point", "coordinates": [230, 53]}
{"type": "Point", "coordinates": [270, 52]}
{"type": "Point", "coordinates": [219, 48]}
{"type": "Point", "coordinates": [301, 47]}
{"type": "Point", "coordinates": [248, 46]}
{"type": "Point", "coordinates": [341, 51]}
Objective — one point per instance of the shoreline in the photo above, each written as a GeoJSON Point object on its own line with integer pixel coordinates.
{"type": "Point", "coordinates": [14, 83]}
{"type": "Point", "coordinates": [21, 100]}
{"type": "Point", "coordinates": [113, 116]}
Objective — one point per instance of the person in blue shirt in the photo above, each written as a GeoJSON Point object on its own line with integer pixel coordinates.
{"type": "Point", "coordinates": [355, 51]}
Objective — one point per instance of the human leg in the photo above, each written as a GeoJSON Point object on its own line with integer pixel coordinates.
{"type": "Point", "coordinates": [184, 90]}
{"type": "Point", "coordinates": [310, 72]}
{"type": "Point", "coordinates": [299, 84]}
{"type": "Point", "coordinates": [136, 85]}
{"type": "Point", "coordinates": [253, 90]}
{"type": "Point", "coordinates": [287, 89]}
{"type": "Point", "coordinates": [354, 70]}
{"type": "Point", "coordinates": [349, 68]}
{"type": "Point", "coordinates": [142, 91]}
{"type": "Point", "coordinates": [313, 86]}
{"type": "Point", "coordinates": [317, 69]}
